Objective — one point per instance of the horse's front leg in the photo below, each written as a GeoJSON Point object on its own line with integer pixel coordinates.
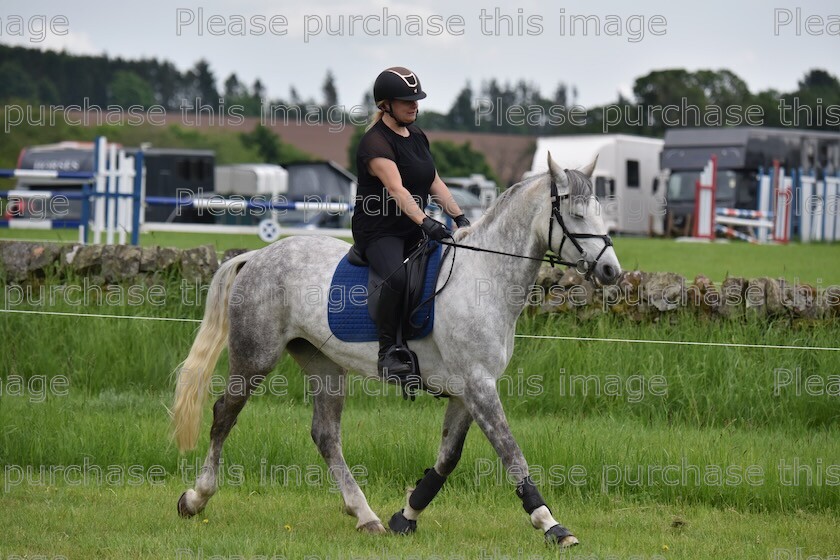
{"type": "Point", "coordinates": [456, 423]}
{"type": "Point", "coordinates": [482, 401]}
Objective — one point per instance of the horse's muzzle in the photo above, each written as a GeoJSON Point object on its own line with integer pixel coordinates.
{"type": "Point", "coordinates": [607, 273]}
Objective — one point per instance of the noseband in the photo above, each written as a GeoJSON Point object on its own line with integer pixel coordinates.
{"type": "Point", "coordinates": [581, 265]}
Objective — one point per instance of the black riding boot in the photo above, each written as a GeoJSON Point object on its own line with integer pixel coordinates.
{"type": "Point", "coordinates": [387, 323]}
{"type": "Point", "coordinates": [390, 364]}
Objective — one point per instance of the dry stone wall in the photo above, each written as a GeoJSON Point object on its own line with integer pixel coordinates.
{"type": "Point", "coordinates": [638, 295]}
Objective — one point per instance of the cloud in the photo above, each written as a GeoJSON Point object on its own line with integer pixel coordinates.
{"type": "Point", "coordinates": [74, 42]}
{"type": "Point", "coordinates": [626, 90]}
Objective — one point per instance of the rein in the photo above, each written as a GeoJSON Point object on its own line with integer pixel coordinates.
{"type": "Point", "coordinates": [551, 259]}
{"type": "Point", "coordinates": [581, 265]}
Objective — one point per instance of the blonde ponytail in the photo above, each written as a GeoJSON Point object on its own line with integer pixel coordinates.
{"type": "Point", "coordinates": [376, 118]}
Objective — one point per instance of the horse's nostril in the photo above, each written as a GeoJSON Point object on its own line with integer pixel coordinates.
{"type": "Point", "coordinates": [609, 272]}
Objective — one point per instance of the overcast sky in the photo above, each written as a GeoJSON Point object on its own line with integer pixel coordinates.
{"type": "Point", "coordinates": [740, 35]}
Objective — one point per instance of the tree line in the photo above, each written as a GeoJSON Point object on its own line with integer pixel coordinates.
{"type": "Point", "coordinates": [53, 78]}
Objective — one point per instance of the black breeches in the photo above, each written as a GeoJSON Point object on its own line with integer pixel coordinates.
{"type": "Point", "coordinates": [385, 256]}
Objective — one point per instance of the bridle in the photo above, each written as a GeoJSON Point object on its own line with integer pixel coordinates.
{"type": "Point", "coordinates": [581, 264]}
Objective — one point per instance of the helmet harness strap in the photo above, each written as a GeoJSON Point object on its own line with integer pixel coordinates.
{"type": "Point", "coordinates": [390, 111]}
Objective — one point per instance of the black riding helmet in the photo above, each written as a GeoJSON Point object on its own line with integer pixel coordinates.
{"type": "Point", "coordinates": [397, 83]}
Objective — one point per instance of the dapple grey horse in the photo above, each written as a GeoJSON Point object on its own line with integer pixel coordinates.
{"type": "Point", "coordinates": [258, 305]}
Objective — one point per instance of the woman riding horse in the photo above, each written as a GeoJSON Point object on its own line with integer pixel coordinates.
{"type": "Point", "coordinates": [396, 176]}
{"type": "Point", "coordinates": [556, 210]}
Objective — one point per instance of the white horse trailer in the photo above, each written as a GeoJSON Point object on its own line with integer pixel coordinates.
{"type": "Point", "coordinates": [261, 182]}
{"type": "Point", "coordinates": [250, 179]}
{"type": "Point", "coordinates": [626, 178]}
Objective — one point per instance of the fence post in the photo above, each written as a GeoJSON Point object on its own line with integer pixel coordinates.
{"type": "Point", "coordinates": [85, 225]}
{"type": "Point", "coordinates": [805, 190]}
{"type": "Point", "coordinates": [832, 208]}
{"type": "Point", "coordinates": [136, 197]}
{"type": "Point", "coordinates": [763, 203]}
{"type": "Point", "coordinates": [782, 192]}
{"type": "Point", "coordinates": [99, 190]}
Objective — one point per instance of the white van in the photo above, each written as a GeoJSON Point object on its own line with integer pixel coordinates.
{"type": "Point", "coordinates": [626, 178]}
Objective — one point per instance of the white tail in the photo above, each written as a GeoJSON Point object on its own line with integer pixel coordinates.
{"type": "Point", "coordinates": [195, 373]}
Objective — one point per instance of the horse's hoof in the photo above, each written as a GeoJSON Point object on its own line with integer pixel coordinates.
{"type": "Point", "coordinates": [402, 526]}
{"type": "Point", "coordinates": [374, 527]}
{"type": "Point", "coordinates": [560, 536]}
{"type": "Point", "coordinates": [569, 542]}
{"type": "Point", "coordinates": [184, 509]}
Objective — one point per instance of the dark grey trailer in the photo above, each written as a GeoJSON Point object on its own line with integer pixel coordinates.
{"type": "Point", "coordinates": [318, 181]}
{"type": "Point", "coordinates": [741, 153]}
{"type": "Point", "coordinates": [170, 170]}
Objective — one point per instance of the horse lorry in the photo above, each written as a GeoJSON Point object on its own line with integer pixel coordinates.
{"type": "Point", "coordinates": [742, 153]}
{"type": "Point", "coordinates": [626, 177]}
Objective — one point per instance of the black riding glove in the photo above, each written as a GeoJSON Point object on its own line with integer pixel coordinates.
{"type": "Point", "coordinates": [461, 221]}
{"type": "Point", "coordinates": [434, 229]}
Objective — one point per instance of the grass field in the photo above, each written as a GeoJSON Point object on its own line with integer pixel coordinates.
{"type": "Point", "coordinates": [261, 510]}
{"type": "Point", "coordinates": [748, 437]}
{"type": "Point", "coordinates": [297, 524]}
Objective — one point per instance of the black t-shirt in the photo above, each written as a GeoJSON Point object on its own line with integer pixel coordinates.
{"type": "Point", "coordinates": [376, 213]}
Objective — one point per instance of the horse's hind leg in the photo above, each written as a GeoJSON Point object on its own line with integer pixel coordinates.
{"type": "Point", "coordinates": [247, 372]}
{"type": "Point", "coordinates": [327, 388]}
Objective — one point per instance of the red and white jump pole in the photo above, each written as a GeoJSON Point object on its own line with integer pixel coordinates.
{"type": "Point", "coordinates": [782, 197]}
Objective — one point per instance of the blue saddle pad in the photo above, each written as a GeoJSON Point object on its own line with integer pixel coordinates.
{"type": "Point", "coordinates": [348, 315]}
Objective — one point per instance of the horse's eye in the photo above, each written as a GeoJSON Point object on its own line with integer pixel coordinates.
{"type": "Point", "coordinates": [578, 211]}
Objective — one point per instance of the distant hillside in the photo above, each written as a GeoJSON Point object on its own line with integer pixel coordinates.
{"type": "Point", "coordinates": [509, 155]}
{"type": "Point", "coordinates": [499, 120]}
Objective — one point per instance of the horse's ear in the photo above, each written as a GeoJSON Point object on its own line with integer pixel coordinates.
{"type": "Point", "coordinates": [559, 175]}
{"type": "Point", "coordinates": [590, 168]}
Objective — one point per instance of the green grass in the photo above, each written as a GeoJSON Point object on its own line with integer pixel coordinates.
{"type": "Point", "coordinates": [693, 385]}
{"type": "Point", "coordinates": [477, 509]}
{"type": "Point", "coordinates": [222, 241]}
{"type": "Point", "coordinates": [289, 523]}
{"type": "Point", "coordinates": [613, 457]}
{"type": "Point", "coordinates": [720, 410]}
{"type": "Point", "coordinates": [813, 262]}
